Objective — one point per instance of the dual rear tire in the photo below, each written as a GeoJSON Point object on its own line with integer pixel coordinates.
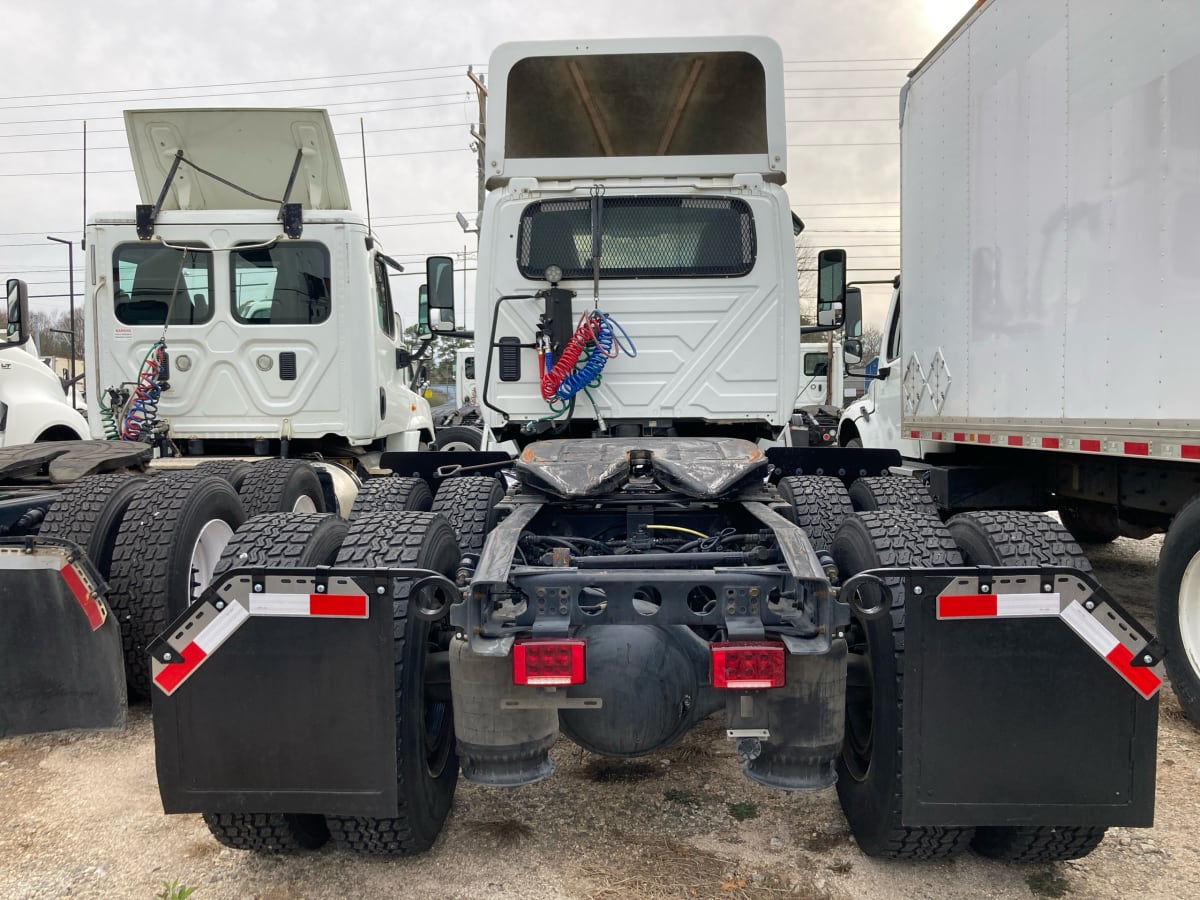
{"type": "Point", "coordinates": [869, 770]}
{"type": "Point", "coordinates": [427, 766]}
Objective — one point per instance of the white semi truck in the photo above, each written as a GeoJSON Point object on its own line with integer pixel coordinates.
{"type": "Point", "coordinates": [1037, 354]}
{"type": "Point", "coordinates": [242, 311]}
{"type": "Point", "coordinates": [648, 560]}
{"type": "Point", "coordinates": [33, 405]}
{"type": "Point", "coordinates": [269, 296]}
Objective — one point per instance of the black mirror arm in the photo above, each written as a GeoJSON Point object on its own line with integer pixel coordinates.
{"type": "Point", "coordinates": [819, 329]}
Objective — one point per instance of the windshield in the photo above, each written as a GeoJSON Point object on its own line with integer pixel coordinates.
{"type": "Point", "coordinates": [644, 237]}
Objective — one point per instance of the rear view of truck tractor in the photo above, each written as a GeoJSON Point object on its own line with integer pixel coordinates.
{"type": "Point", "coordinates": [240, 330]}
{"type": "Point", "coordinates": [654, 556]}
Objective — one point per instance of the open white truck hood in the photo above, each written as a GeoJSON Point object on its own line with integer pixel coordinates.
{"type": "Point", "coordinates": [253, 148]}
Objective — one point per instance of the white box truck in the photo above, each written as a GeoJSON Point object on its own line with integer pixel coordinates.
{"type": "Point", "coordinates": [1049, 173]}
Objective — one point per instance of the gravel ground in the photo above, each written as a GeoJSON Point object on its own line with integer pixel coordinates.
{"type": "Point", "coordinates": [80, 816]}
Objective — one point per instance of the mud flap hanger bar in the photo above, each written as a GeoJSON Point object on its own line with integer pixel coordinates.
{"type": "Point", "coordinates": [319, 593]}
{"type": "Point", "coordinates": [1068, 595]}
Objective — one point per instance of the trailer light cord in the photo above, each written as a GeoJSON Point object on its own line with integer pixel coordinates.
{"type": "Point", "coordinates": [595, 341]}
{"type": "Point", "coordinates": [142, 411]}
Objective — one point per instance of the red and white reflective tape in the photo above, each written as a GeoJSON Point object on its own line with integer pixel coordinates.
{"type": "Point", "coordinates": [49, 557]}
{"type": "Point", "coordinates": [1158, 448]}
{"type": "Point", "coordinates": [988, 606]}
{"type": "Point", "coordinates": [1093, 632]}
{"type": "Point", "coordinates": [342, 606]}
{"type": "Point", "coordinates": [1116, 654]}
{"type": "Point", "coordinates": [209, 638]}
{"type": "Point", "coordinates": [168, 676]}
{"type": "Point", "coordinates": [85, 596]}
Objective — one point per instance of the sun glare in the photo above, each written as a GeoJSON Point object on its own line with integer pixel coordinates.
{"type": "Point", "coordinates": [942, 15]}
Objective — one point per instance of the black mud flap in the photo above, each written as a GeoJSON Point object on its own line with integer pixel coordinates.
{"type": "Point", "coordinates": [276, 692]}
{"type": "Point", "coordinates": [61, 664]}
{"type": "Point", "coordinates": [1030, 698]}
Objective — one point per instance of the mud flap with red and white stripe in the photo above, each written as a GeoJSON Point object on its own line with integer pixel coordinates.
{"type": "Point", "coordinates": [276, 692]}
{"type": "Point", "coordinates": [1030, 698]}
{"type": "Point", "coordinates": [61, 663]}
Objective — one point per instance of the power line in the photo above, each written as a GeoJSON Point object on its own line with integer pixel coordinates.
{"type": "Point", "coordinates": [198, 87]}
{"type": "Point", "coordinates": [291, 90]}
{"type": "Point", "coordinates": [130, 171]}
{"type": "Point", "coordinates": [352, 112]}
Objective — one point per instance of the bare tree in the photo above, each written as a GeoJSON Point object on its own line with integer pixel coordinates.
{"type": "Point", "coordinates": [806, 278]}
{"type": "Point", "coordinates": [872, 341]}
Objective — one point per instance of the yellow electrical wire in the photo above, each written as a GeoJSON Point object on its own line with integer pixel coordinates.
{"type": "Point", "coordinates": [691, 531]}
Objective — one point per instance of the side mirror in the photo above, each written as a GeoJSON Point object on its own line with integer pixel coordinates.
{"type": "Point", "coordinates": [852, 350]}
{"type": "Point", "coordinates": [18, 311]}
{"type": "Point", "coordinates": [403, 358]}
{"type": "Point", "coordinates": [423, 311]}
{"type": "Point", "coordinates": [831, 288]}
{"type": "Point", "coordinates": [469, 368]}
{"type": "Point", "coordinates": [852, 326]}
{"type": "Point", "coordinates": [439, 276]}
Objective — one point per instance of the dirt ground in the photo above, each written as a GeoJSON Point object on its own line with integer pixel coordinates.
{"type": "Point", "coordinates": [80, 817]}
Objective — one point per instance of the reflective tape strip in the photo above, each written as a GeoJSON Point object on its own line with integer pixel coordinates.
{"type": "Point", "coordinates": [279, 604]}
{"type": "Point", "coordinates": [999, 606]}
{"type": "Point", "coordinates": [1143, 679]}
{"type": "Point", "coordinates": [86, 599]}
{"type": "Point", "coordinates": [1085, 625]}
{"type": "Point", "coordinates": [225, 623]}
{"type": "Point", "coordinates": [343, 605]}
{"type": "Point", "coordinates": [171, 675]}
{"type": "Point", "coordinates": [330, 605]}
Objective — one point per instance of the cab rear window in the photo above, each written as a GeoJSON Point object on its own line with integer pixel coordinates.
{"type": "Point", "coordinates": [157, 285]}
{"type": "Point", "coordinates": [643, 237]}
{"type": "Point", "coordinates": [284, 284]}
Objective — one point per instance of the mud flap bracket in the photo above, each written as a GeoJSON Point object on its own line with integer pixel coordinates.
{"type": "Point", "coordinates": [1028, 700]}
{"type": "Point", "coordinates": [276, 692]}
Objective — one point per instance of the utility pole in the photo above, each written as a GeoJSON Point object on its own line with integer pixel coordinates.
{"type": "Point", "coordinates": [479, 133]}
{"type": "Point", "coordinates": [70, 275]}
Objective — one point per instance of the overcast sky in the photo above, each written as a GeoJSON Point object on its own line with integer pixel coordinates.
{"type": "Point", "coordinates": [401, 68]}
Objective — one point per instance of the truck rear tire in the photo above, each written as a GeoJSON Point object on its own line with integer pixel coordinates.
{"type": "Point", "coordinates": [869, 782]}
{"type": "Point", "coordinates": [1178, 606]}
{"type": "Point", "coordinates": [1024, 539]}
{"type": "Point", "coordinates": [282, 485]}
{"type": "Point", "coordinates": [820, 504]}
{"type": "Point", "coordinates": [427, 764]}
{"type": "Point", "coordinates": [469, 504]}
{"type": "Point", "coordinates": [459, 438]}
{"type": "Point", "coordinates": [232, 470]}
{"type": "Point", "coordinates": [89, 513]}
{"type": "Point", "coordinates": [268, 832]}
{"type": "Point", "coordinates": [277, 539]}
{"type": "Point", "coordinates": [891, 492]}
{"type": "Point", "coordinates": [394, 494]}
{"type": "Point", "coordinates": [168, 544]}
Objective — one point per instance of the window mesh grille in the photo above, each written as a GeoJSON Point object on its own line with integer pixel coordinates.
{"type": "Point", "coordinates": [643, 237]}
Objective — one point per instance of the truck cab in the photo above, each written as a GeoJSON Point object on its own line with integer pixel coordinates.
{"type": "Point", "coordinates": [228, 328]}
{"type": "Point", "coordinates": [33, 404]}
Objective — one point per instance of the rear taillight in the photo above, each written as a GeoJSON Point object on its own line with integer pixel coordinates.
{"type": "Point", "coordinates": [549, 662]}
{"type": "Point", "coordinates": [747, 665]}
